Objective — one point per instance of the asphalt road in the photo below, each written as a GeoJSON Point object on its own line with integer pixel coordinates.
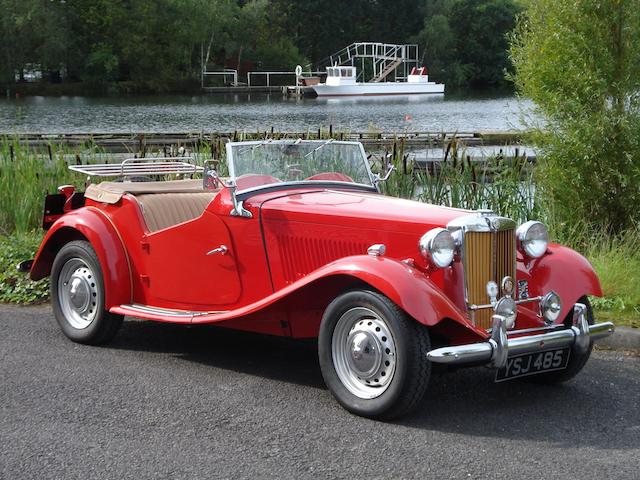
{"type": "Point", "coordinates": [175, 402]}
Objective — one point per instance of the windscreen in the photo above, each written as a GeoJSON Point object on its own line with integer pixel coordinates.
{"type": "Point", "coordinates": [256, 164]}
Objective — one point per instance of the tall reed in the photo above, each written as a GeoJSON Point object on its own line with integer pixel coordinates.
{"type": "Point", "coordinates": [26, 176]}
{"type": "Point", "coordinates": [505, 186]}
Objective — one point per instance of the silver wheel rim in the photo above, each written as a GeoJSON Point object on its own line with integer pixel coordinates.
{"type": "Point", "coordinates": [364, 352]}
{"type": "Point", "coordinates": [78, 293]}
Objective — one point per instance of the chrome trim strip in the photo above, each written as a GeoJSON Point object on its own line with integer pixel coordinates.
{"type": "Point", "coordinates": [518, 302]}
{"type": "Point", "coordinates": [499, 347]}
{"type": "Point", "coordinates": [546, 328]}
{"type": "Point", "coordinates": [167, 311]}
{"type": "Point", "coordinates": [483, 221]}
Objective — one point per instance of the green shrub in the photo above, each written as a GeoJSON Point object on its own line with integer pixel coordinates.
{"type": "Point", "coordinates": [16, 287]}
{"type": "Point", "coordinates": [579, 63]}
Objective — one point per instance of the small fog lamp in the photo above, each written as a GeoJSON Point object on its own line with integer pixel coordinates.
{"type": "Point", "coordinates": [506, 307]}
{"type": "Point", "coordinates": [551, 306]}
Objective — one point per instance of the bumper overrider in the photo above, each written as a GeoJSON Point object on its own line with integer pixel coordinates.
{"type": "Point", "coordinates": [495, 352]}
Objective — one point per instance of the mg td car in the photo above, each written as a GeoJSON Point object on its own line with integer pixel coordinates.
{"type": "Point", "coordinates": [298, 241]}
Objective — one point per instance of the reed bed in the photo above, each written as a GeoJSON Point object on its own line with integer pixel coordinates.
{"type": "Point", "coordinates": [503, 185]}
{"type": "Point", "coordinates": [27, 174]}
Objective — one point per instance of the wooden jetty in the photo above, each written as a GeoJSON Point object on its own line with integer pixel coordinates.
{"type": "Point", "coordinates": [154, 141]}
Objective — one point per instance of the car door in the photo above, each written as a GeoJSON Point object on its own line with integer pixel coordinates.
{"type": "Point", "coordinates": [192, 264]}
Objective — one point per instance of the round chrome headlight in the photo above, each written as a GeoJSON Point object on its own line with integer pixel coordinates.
{"type": "Point", "coordinates": [551, 306]}
{"type": "Point", "coordinates": [533, 239]}
{"type": "Point", "coordinates": [507, 308]}
{"type": "Point", "coordinates": [438, 246]}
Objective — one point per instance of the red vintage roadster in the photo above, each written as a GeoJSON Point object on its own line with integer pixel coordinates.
{"type": "Point", "coordinates": [298, 241]}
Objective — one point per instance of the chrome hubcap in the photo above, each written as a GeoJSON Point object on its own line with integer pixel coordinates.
{"type": "Point", "coordinates": [78, 293]}
{"type": "Point", "coordinates": [364, 352]}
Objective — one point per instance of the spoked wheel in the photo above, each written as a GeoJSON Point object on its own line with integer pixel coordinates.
{"type": "Point", "coordinates": [372, 356]}
{"type": "Point", "coordinates": [77, 295]}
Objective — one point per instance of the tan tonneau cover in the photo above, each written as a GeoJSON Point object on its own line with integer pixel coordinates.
{"type": "Point", "coordinates": [111, 192]}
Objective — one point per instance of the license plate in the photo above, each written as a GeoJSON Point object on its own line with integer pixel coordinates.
{"type": "Point", "coordinates": [532, 363]}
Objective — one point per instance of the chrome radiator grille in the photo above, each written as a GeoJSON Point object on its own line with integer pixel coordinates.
{"type": "Point", "coordinates": [486, 256]}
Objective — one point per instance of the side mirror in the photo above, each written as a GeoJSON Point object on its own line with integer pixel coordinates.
{"type": "Point", "coordinates": [210, 178]}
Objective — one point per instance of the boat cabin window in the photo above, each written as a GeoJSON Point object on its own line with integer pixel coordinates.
{"type": "Point", "coordinates": [341, 72]}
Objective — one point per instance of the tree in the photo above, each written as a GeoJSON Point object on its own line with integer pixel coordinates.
{"type": "Point", "coordinates": [480, 28]}
{"type": "Point", "coordinates": [465, 41]}
{"type": "Point", "coordinates": [579, 62]}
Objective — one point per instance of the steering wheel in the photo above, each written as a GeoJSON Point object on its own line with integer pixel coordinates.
{"type": "Point", "coordinates": [331, 176]}
{"type": "Point", "coordinates": [250, 180]}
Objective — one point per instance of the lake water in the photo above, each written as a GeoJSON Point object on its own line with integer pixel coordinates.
{"type": "Point", "coordinates": [226, 113]}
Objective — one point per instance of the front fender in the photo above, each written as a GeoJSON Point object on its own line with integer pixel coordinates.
{"type": "Point", "coordinates": [96, 227]}
{"type": "Point", "coordinates": [406, 286]}
{"type": "Point", "coordinates": [566, 272]}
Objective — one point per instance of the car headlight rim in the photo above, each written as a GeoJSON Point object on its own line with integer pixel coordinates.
{"type": "Point", "coordinates": [532, 238]}
{"type": "Point", "coordinates": [438, 247]}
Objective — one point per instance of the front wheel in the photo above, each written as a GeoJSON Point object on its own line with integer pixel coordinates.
{"type": "Point", "coordinates": [77, 295]}
{"type": "Point", "coordinates": [577, 360]}
{"type": "Point", "coordinates": [373, 357]}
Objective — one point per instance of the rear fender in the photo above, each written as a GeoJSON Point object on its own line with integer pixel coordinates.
{"type": "Point", "coordinates": [89, 223]}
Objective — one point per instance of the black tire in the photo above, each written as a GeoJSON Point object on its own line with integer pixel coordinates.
{"type": "Point", "coordinates": [406, 384]}
{"type": "Point", "coordinates": [77, 261]}
{"type": "Point", "coordinates": [576, 360]}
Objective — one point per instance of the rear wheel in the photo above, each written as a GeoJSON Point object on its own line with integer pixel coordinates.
{"type": "Point", "coordinates": [77, 295]}
{"type": "Point", "coordinates": [373, 356]}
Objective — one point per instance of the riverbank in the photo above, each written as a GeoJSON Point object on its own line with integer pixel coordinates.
{"type": "Point", "coordinates": [46, 89]}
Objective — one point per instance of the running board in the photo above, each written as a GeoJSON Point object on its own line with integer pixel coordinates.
{"type": "Point", "coordinates": [162, 314]}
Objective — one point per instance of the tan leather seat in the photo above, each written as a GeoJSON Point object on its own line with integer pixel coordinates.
{"type": "Point", "coordinates": [162, 210]}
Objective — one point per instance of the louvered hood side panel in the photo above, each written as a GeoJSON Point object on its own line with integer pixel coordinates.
{"type": "Point", "coordinates": [297, 249]}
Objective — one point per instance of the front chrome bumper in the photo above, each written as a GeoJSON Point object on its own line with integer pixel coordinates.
{"type": "Point", "coordinates": [499, 347]}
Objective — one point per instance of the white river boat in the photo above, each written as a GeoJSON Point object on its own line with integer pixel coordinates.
{"type": "Point", "coordinates": [341, 81]}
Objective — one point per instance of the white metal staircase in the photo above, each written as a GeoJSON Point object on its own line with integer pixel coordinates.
{"type": "Point", "coordinates": [385, 59]}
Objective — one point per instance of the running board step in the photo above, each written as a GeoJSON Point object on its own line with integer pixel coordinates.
{"type": "Point", "coordinates": [159, 313]}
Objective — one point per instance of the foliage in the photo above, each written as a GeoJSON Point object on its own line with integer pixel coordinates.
{"type": "Point", "coordinates": [26, 177]}
{"type": "Point", "coordinates": [464, 41]}
{"type": "Point", "coordinates": [502, 185]}
{"type": "Point", "coordinates": [579, 63]}
{"type": "Point", "coordinates": [15, 287]}
{"type": "Point", "coordinates": [616, 259]}
{"type": "Point", "coordinates": [156, 45]}
{"type": "Point", "coordinates": [152, 44]}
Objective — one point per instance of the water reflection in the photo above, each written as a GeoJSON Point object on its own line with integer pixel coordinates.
{"type": "Point", "coordinates": [189, 113]}
{"type": "Point", "coordinates": [381, 99]}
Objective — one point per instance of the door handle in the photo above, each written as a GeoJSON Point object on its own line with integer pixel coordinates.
{"type": "Point", "coordinates": [222, 250]}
